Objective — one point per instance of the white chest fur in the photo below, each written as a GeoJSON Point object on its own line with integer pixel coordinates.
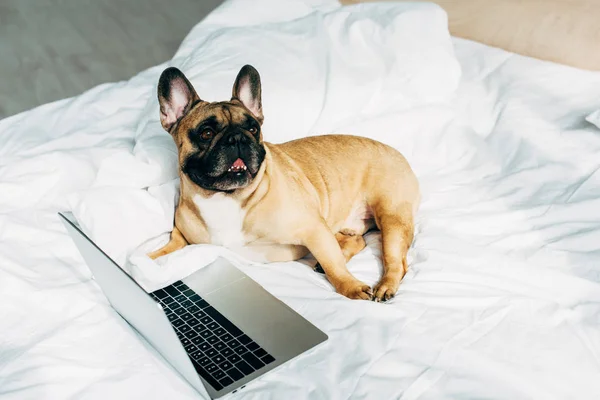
{"type": "Point", "coordinates": [224, 219]}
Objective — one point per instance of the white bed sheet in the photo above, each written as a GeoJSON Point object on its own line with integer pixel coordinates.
{"type": "Point", "coordinates": [502, 299]}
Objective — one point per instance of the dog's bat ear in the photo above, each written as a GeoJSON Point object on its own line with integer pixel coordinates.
{"type": "Point", "coordinates": [247, 89]}
{"type": "Point", "coordinates": [176, 96]}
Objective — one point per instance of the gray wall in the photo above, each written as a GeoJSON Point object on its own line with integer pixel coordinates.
{"type": "Point", "coordinates": [52, 49]}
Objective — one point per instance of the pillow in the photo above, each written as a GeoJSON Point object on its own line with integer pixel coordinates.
{"type": "Point", "coordinates": [561, 31]}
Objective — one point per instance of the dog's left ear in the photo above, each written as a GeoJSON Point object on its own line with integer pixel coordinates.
{"type": "Point", "coordinates": [176, 96]}
{"type": "Point", "coordinates": [247, 89]}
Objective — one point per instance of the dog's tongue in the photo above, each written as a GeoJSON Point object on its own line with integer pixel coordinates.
{"type": "Point", "coordinates": [239, 163]}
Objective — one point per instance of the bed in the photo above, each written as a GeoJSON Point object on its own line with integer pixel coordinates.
{"type": "Point", "coordinates": [502, 297]}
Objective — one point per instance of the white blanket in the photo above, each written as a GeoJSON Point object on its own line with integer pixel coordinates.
{"type": "Point", "coordinates": [502, 298]}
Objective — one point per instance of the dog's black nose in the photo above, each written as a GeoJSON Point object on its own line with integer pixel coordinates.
{"type": "Point", "coordinates": [235, 138]}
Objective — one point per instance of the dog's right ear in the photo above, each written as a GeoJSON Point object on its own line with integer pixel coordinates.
{"type": "Point", "coordinates": [176, 96]}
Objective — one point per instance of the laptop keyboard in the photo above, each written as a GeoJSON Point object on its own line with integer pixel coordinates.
{"type": "Point", "coordinates": [221, 353]}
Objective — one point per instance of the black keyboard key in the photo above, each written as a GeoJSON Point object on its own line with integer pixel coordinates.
{"type": "Point", "coordinates": [252, 346]}
{"type": "Point", "coordinates": [172, 291]}
{"type": "Point", "coordinates": [202, 304]}
{"type": "Point", "coordinates": [179, 284]}
{"type": "Point", "coordinates": [213, 340]}
{"type": "Point", "coordinates": [186, 316]}
{"type": "Point", "coordinates": [172, 316]}
{"type": "Point", "coordinates": [244, 339]}
{"type": "Point", "coordinates": [200, 328]}
{"type": "Point", "coordinates": [197, 355]}
{"type": "Point", "coordinates": [226, 337]}
{"type": "Point", "coordinates": [191, 334]}
{"type": "Point", "coordinates": [204, 361]}
{"type": "Point", "coordinates": [218, 374]}
{"type": "Point", "coordinates": [241, 350]}
{"type": "Point", "coordinates": [206, 334]}
{"type": "Point", "coordinates": [211, 367]}
{"type": "Point", "coordinates": [226, 381]}
{"type": "Point", "coordinates": [167, 300]}
{"type": "Point", "coordinates": [193, 322]}
{"type": "Point", "coordinates": [184, 328]}
{"type": "Point", "coordinates": [206, 320]}
{"type": "Point", "coordinates": [193, 309]}
{"type": "Point", "coordinates": [218, 359]}
{"type": "Point", "coordinates": [195, 297]}
{"type": "Point", "coordinates": [198, 340]}
{"type": "Point", "coordinates": [190, 348]}
{"type": "Point", "coordinates": [224, 322]}
{"type": "Point", "coordinates": [268, 359]}
{"type": "Point", "coordinates": [220, 332]}
{"type": "Point", "coordinates": [212, 326]}
{"type": "Point", "coordinates": [200, 314]}
{"type": "Point", "coordinates": [226, 351]}
{"type": "Point", "coordinates": [189, 292]}
{"type": "Point", "coordinates": [204, 374]}
{"type": "Point", "coordinates": [234, 358]}
{"type": "Point", "coordinates": [233, 344]}
{"type": "Point", "coordinates": [186, 304]}
{"type": "Point", "coordinates": [210, 353]}
{"type": "Point", "coordinates": [185, 341]}
{"type": "Point", "coordinates": [161, 294]}
{"type": "Point", "coordinates": [176, 308]}
{"type": "Point", "coordinates": [177, 322]}
{"type": "Point", "coordinates": [221, 347]}
{"type": "Point", "coordinates": [260, 353]}
{"type": "Point", "coordinates": [235, 374]}
{"type": "Point", "coordinates": [253, 360]}
{"type": "Point", "coordinates": [180, 298]}
{"type": "Point", "coordinates": [244, 367]}
{"type": "Point", "coordinates": [179, 335]}
{"type": "Point", "coordinates": [225, 365]}
{"type": "Point", "coordinates": [204, 346]}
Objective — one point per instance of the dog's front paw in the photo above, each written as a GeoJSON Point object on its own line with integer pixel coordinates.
{"type": "Point", "coordinates": [155, 254]}
{"type": "Point", "coordinates": [386, 289]}
{"type": "Point", "coordinates": [355, 290]}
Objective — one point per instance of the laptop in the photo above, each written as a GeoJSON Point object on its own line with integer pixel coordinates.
{"type": "Point", "coordinates": [217, 327]}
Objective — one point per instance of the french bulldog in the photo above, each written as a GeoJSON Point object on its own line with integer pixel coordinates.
{"type": "Point", "coordinates": [278, 202]}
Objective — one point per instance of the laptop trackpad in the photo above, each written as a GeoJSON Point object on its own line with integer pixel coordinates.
{"type": "Point", "coordinates": [214, 276]}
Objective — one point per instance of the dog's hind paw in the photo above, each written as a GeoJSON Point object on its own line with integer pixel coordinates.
{"type": "Point", "coordinates": [385, 290]}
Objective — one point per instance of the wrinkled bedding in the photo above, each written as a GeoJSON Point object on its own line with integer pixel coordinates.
{"type": "Point", "coordinates": [502, 297]}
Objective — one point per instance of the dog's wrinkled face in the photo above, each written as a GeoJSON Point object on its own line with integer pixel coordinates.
{"type": "Point", "coordinates": [220, 144]}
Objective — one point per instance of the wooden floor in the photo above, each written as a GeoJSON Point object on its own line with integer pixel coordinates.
{"type": "Point", "coordinates": [52, 49]}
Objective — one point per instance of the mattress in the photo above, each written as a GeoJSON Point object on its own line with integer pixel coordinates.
{"type": "Point", "coordinates": [502, 296]}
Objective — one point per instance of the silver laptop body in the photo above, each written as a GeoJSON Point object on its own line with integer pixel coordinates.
{"type": "Point", "coordinates": [230, 303]}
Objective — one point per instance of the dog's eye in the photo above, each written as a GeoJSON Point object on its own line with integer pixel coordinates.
{"type": "Point", "coordinates": [253, 130]}
{"type": "Point", "coordinates": [206, 134]}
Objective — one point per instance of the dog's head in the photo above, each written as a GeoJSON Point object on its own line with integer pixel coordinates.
{"type": "Point", "coordinates": [220, 144]}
